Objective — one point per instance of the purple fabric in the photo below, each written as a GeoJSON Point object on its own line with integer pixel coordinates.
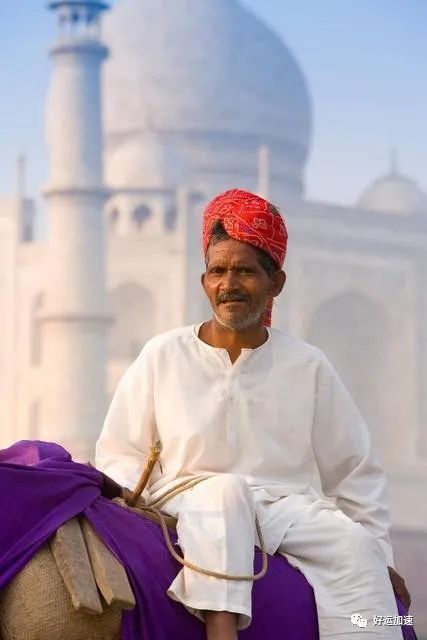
{"type": "Point", "coordinates": [42, 488]}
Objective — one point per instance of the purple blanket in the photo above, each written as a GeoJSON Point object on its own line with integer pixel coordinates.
{"type": "Point", "coordinates": [42, 488]}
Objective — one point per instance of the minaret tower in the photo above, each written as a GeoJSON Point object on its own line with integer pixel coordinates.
{"type": "Point", "coordinates": [75, 320]}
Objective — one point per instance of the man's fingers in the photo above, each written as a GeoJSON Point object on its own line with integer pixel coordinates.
{"type": "Point", "coordinates": [406, 598]}
{"type": "Point", "coordinates": [399, 587]}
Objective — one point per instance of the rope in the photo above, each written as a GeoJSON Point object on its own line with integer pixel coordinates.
{"type": "Point", "coordinates": [189, 483]}
{"type": "Point", "coordinates": [153, 511]}
{"type": "Point", "coordinates": [208, 572]}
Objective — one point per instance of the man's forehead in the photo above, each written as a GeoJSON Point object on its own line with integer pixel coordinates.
{"type": "Point", "coordinates": [231, 259]}
{"type": "Point", "coordinates": [232, 262]}
{"type": "Point", "coordinates": [231, 250]}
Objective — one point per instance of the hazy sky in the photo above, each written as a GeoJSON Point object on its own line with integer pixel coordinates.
{"type": "Point", "coordinates": [365, 62]}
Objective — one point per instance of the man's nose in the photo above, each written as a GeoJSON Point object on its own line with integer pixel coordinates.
{"type": "Point", "coordinates": [230, 279]}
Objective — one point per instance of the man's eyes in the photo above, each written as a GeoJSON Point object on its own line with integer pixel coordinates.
{"type": "Point", "coordinates": [244, 270]}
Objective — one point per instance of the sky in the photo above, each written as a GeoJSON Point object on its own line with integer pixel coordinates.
{"type": "Point", "coordinates": [365, 63]}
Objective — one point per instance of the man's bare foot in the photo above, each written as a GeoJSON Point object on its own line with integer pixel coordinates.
{"type": "Point", "coordinates": [221, 625]}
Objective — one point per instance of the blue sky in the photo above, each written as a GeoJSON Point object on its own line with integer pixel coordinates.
{"type": "Point", "coordinates": [365, 62]}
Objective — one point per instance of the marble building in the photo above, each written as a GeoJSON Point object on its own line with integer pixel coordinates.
{"type": "Point", "coordinates": [147, 119]}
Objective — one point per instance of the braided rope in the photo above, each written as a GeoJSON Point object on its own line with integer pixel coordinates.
{"type": "Point", "coordinates": [208, 572]}
{"type": "Point", "coordinates": [152, 511]}
{"type": "Point", "coordinates": [189, 483]}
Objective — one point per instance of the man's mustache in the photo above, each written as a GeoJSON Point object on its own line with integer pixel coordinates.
{"type": "Point", "coordinates": [231, 297]}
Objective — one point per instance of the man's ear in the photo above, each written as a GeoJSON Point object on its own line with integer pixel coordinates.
{"type": "Point", "coordinates": [279, 279]}
{"type": "Point", "coordinates": [202, 280]}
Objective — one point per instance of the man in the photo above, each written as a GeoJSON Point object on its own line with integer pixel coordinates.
{"type": "Point", "coordinates": [256, 414]}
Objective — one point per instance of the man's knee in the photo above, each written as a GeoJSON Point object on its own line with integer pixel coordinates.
{"type": "Point", "coordinates": [229, 488]}
{"type": "Point", "coordinates": [363, 545]}
{"type": "Point", "coordinates": [228, 483]}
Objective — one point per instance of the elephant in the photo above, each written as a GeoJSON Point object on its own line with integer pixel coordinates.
{"type": "Point", "coordinates": [71, 589]}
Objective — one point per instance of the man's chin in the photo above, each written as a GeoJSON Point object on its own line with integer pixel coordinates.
{"type": "Point", "coordinates": [237, 324]}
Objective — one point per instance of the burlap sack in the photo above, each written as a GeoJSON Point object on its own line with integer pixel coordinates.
{"type": "Point", "coordinates": [36, 606]}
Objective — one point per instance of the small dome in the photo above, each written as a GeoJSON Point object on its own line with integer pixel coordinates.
{"type": "Point", "coordinates": [394, 193]}
{"type": "Point", "coordinates": [150, 163]}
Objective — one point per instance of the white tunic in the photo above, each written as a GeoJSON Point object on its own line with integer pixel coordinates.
{"type": "Point", "coordinates": [278, 417]}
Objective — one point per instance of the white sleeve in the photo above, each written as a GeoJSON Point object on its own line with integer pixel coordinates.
{"type": "Point", "coordinates": [349, 468]}
{"type": "Point", "coordinates": [129, 429]}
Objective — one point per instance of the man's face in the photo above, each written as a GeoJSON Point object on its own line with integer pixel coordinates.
{"type": "Point", "coordinates": [237, 286]}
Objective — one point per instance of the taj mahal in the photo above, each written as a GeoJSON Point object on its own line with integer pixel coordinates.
{"type": "Point", "coordinates": [153, 108]}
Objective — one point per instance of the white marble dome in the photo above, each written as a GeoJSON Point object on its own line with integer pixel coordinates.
{"type": "Point", "coordinates": [394, 193]}
{"type": "Point", "coordinates": [207, 71]}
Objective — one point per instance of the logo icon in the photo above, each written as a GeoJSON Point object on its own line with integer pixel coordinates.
{"type": "Point", "coordinates": [358, 620]}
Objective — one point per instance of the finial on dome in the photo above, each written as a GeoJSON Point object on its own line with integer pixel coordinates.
{"type": "Point", "coordinates": [394, 161]}
{"type": "Point", "coordinates": [263, 171]}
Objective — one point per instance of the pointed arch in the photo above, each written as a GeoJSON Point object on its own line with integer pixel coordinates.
{"type": "Point", "coordinates": [140, 215]}
{"type": "Point", "coordinates": [113, 219]}
{"type": "Point", "coordinates": [354, 332]}
{"type": "Point", "coordinates": [170, 218]}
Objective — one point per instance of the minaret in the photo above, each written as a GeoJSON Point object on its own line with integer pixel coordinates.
{"type": "Point", "coordinates": [75, 319]}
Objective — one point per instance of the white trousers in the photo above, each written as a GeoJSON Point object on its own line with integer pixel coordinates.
{"type": "Point", "coordinates": [342, 561]}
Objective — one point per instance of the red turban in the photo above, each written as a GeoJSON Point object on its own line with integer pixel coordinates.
{"type": "Point", "coordinates": [248, 218]}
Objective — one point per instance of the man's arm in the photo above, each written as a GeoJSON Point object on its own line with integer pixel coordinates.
{"type": "Point", "coordinates": [349, 469]}
{"type": "Point", "coordinates": [129, 429]}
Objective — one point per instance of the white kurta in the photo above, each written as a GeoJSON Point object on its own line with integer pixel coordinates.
{"type": "Point", "coordinates": [276, 417]}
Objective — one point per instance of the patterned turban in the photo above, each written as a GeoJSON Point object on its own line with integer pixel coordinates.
{"type": "Point", "coordinates": [248, 218]}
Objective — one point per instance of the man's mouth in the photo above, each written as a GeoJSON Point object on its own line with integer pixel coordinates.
{"type": "Point", "coordinates": [224, 298]}
{"type": "Point", "coordinates": [236, 301]}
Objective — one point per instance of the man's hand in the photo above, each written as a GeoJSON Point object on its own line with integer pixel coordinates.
{"type": "Point", "coordinates": [110, 489]}
{"type": "Point", "coordinates": [399, 587]}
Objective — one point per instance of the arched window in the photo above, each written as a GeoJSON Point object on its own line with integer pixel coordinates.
{"type": "Point", "coordinates": [170, 218]}
{"type": "Point", "coordinates": [28, 232]}
{"type": "Point", "coordinates": [113, 218]}
{"type": "Point", "coordinates": [354, 332]}
{"type": "Point", "coordinates": [132, 307]}
{"type": "Point", "coordinates": [140, 215]}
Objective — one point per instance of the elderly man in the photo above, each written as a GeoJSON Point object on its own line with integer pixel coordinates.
{"type": "Point", "coordinates": [247, 416]}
